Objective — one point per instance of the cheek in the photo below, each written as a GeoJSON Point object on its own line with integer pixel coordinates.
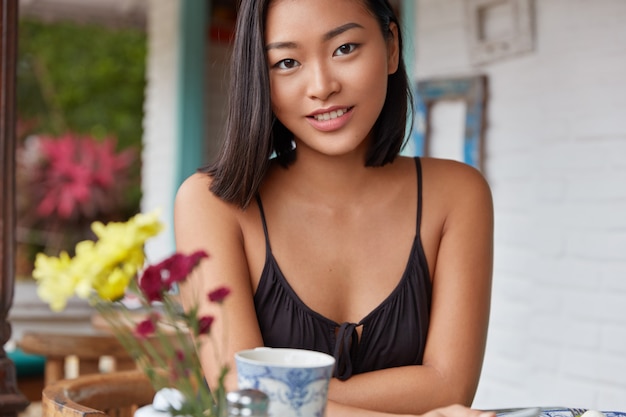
{"type": "Point", "coordinates": [370, 73]}
{"type": "Point", "coordinates": [371, 83]}
{"type": "Point", "coordinates": [280, 96]}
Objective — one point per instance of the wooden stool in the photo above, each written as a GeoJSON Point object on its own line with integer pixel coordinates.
{"type": "Point", "coordinates": [88, 349]}
{"type": "Point", "coordinates": [117, 394]}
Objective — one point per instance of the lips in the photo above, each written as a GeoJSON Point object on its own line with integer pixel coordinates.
{"type": "Point", "coordinates": [331, 114]}
{"type": "Point", "coordinates": [331, 119]}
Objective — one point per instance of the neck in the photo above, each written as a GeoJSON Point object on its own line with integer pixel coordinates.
{"type": "Point", "coordinates": [335, 180]}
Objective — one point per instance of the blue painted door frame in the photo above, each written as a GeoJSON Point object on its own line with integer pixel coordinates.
{"type": "Point", "coordinates": [192, 46]}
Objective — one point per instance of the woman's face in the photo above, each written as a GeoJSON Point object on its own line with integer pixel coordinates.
{"type": "Point", "coordinates": [328, 67]}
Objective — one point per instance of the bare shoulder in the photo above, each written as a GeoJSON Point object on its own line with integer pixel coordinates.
{"type": "Point", "coordinates": [194, 187]}
{"type": "Point", "coordinates": [195, 194]}
{"type": "Point", "coordinates": [199, 214]}
{"type": "Point", "coordinates": [455, 181]}
{"type": "Point", "coordinates": [456, 194]}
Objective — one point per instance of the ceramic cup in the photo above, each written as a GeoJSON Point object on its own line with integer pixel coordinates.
{"type": "Point", "coordinates": [295, 380]}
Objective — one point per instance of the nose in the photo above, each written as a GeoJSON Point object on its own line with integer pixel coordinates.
{"type": "Point", "coordinates": [323, 82]}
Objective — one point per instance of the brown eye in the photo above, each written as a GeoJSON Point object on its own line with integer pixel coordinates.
{"type": "Point", "coordinates": [286, 64]}
{"type": "Point", "coordinates": [345, 49]}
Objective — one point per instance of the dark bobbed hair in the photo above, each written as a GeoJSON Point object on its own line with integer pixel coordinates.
{"type": "Point", "coordinates": [253, 133]}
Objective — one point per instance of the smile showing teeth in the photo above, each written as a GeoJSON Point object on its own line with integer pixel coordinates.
{"type": "Point", "coordinates": [330, 115]}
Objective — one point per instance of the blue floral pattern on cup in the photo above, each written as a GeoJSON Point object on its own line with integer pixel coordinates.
{"type": "Point", "coordinates": [298, 390]}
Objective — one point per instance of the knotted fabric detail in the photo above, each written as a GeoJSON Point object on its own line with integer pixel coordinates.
{"type": "Point", "coordinates": [346, 348]}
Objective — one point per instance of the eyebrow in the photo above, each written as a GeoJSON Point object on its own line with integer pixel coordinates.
{"type": "Point", "coordinates": [326, 37]}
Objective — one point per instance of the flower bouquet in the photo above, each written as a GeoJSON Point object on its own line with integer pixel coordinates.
{"type": "Point", "coordinates": [165, 340]}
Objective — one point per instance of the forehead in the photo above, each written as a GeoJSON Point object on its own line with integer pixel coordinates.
{"type": "Point", "coordinates": [355, 3]}
{"type": "Point", "coordinates": [297, 17]}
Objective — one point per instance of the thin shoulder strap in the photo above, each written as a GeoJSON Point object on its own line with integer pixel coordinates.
{"type": "Point", "coordinates": [267, 237]}
{"type": "Point", "coordinates": [418, 167]}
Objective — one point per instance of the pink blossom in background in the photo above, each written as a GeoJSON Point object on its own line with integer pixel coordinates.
{"type": "Point", "coordinates": [78, 175]}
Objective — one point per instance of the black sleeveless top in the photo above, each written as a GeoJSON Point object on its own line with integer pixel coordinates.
{"type": "Point", "coordinates": [393, 334]}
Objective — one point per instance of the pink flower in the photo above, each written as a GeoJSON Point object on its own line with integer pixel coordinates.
{"type": "Point", "coordinates": [204, 324]}
{"type": "Point", "coordinates": [146, 327]}
{"type": "Point", "coordinates": [218, 295]}
{"type": "Point", "coordinates": [76, 175]}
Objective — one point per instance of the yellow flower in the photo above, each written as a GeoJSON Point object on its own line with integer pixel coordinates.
{"type": "Point", "coordinates": [86, 267]}
{"type": "Point", "coordinates": [147, 225]}
{"type": "Point", "coordinates": [104, 267]}
{"type": "Point", "coordinates": [56, 283]}
{"type": "Point", "coordinates": [114, 285]}
{"type": "Point", "coordinates": [47, 266]}
{"type": "Point", "coordinates": [128, 235]}
{"type": "Point", "coordinates": [122, 243]}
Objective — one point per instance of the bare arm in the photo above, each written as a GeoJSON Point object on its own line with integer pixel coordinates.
{"type": "Point", "coordinates": [455, 410]}
{"type": "Point", "coordinates": [204, 222]}
{"type": "Point", "coordinates": [460, 304]}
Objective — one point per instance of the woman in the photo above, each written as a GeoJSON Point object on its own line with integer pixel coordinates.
{"type": "Point", "coordinates": [336, 243]}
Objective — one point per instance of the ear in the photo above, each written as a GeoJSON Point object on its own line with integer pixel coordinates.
{"type": "Point", "coordinates": [393, 49]}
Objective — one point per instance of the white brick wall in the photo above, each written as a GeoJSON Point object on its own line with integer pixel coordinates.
{"type": "Point", "coordinates": [556, 162]}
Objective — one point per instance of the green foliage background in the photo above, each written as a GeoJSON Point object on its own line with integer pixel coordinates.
{"type": "Point", "coordinates": [84, 79]}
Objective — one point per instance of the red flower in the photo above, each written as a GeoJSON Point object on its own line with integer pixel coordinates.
{"type": "Point", "coordinates": [157, 279]}
{"type": "Point", "coordinates": [179, 266]}
{"type": "Point", "coordinates": [146, 327]}
{"type": "Point", "coordinates": [182, 269]}
{"type": "Point", "coordinates": [218, 295]}
{"type": "Point", "coordinates": [152, 283]}
{"type": "Point", "coordinates": [204, 324]}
